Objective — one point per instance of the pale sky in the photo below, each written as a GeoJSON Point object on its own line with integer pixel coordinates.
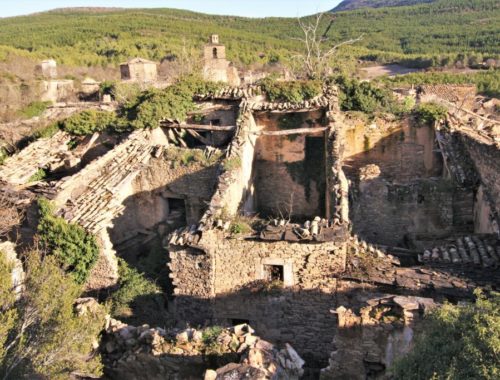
{"type": "Point", "coordinates": [248, 8]}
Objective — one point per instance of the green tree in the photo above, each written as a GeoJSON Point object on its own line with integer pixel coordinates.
{"type": "Point", "coordinates": [88, 122]}
{"type": "Point", "coordinates": [40, 334]}
{"type": "Point", "coordinates": [457, 343]}
{"type": "Point", "coordinates": [75, 249]}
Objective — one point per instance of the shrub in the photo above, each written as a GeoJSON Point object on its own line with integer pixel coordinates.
{"type": "Point", "coordinates": [364, 96]}
{"type": "Point", "coordinates": [34, 109]}
{"type": "Point", "coordinates": [41, 336]}
{"type": "Point", "coordinates": [457, 342]}
{"type": "Point", "coordinates": [293, 92]}
{"type": "Point", "coordinates": [88, 122]}
{"type": "Point", "coordinates": [75, 249]}
{"type": "Point", "coordinates": [40, 175]}
{"type": "Point", "coordinates": [174, 102]}
{"type": "Point", "coordinates": [132, 284]}
{"type": "Point", "coordinates": [429, 113]}
{"type": "Point", "coordinates": [46, 132]}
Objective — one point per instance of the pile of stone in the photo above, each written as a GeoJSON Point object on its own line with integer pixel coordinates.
{"type": "Point", "coordinates": [231, 93]}
{"type": "Point", "coordinates": [185, 354]}
{"type": "Point", "coordinates": [46, 153]}
{"type": "Point", "coordinates": [319, 102]}
{"type": "Point", "coordinates": [319, 230]}
{"type": "Point", "coordinates": [476, 250]}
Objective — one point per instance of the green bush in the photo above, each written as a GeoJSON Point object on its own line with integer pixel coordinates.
{"type": "Point", "coordinates": [88, 122]}
{"type": "Point", "coordinates": [456, 343]}
{"type": "Point", "coordinates": [174, 102]}
{"type": "Point", "coordinates": [132, 284]}
{"type": "Point", "coordinates": [293, 92]}
{"type": "Point", "coordinates": [46, 132]}
{"type": "Point", "coordinates": [429, 113]}
{"type": "Point", "coordinates": [34, 109]}
{"type": "Point", "coordinates": [40, 175]}
{"type": "Point", "coordinates": [75, 249]}
{"type": "Point", "coordinates": [364, 96]}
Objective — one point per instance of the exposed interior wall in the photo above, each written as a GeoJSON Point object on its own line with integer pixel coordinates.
{"type": "Point", "coordinates": [398, 193]}
{"type": "Point", "coordinates": [289, 171]}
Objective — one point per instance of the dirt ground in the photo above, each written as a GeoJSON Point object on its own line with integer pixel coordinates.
{"type": "Point", "coordinates": [390, 70]}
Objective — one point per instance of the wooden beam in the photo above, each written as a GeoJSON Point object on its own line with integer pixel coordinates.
{"type": "Point", "coordinates": [200, 127]}
{"type": "Point", "coordinates": [298, 131]}
{"type": "Point", "coordinates": [197, 136]}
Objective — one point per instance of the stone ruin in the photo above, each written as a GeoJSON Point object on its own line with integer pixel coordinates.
{"type": "Point", "coordinates": [318, 229]}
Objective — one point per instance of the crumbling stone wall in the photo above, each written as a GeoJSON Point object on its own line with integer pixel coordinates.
{"type": "Point", "coordinates": [290, 170]}
{"type": "Point", "coordinates": [225, 281]}
{"type": "Point", "coordinates": [486, 157]}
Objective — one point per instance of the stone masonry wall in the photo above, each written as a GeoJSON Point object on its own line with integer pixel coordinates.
{"type": "Point", "coordinates": [296, 311]}
{"type": "Point", "coordinates": [486, 157]}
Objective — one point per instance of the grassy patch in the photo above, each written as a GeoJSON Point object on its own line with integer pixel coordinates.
{"type": "Point", "coordinates": [40, 175]}
{"type": "Point", "coordinates": [34, 109]}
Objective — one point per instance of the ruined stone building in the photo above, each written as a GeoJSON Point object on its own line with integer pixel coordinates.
{"type": "Point", "coordinates": [139, 70]}
{"type": "Point", "coordinates": [47, 68]}
{"type": "Point", "coordinates": [215, 65]}
{"type": "Point", "coordinates": [353, 220]}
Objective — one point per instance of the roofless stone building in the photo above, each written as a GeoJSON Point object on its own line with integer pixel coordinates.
{"type": "Point", "coordinates": [357, 221]}
{"type": "Point", "coordinates": [139, 70]}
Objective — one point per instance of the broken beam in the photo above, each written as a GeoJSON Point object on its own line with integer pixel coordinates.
{"type": "Point", "coordinates": [200, 127]}
{"type": "Point", "coordinates": [297, 131]}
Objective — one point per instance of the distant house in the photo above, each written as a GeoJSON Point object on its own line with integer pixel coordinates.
{"type": "Point", "coordinates": [139, 70]}
{"type": "Point", "coordinates": [47, 68]}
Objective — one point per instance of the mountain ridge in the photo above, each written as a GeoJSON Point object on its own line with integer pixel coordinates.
{"type": "Point", "coordinates": [349, 5]}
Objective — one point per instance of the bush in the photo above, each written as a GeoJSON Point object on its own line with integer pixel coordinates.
{"type": "Point", "coordinates": [132, 284]}
{"type": "Point", "coordinates": [46, 132]}
{"type": "Point", "coordinates": [40, 175]}
{"type": "Point", "coordinates": [34, 109]}
{"type": "Point", "coordinates": [364, 96]}
{"type": "Point", "coordinates": [75, 249]}
{"type": "Point", "coordinates": [88, 122]}
{"type": "Point", "coordinates": [457, 342]}
{"type": "Point", "coordinates": [429, 113]}
{"type": "Point", "coordinates": [174, 102]}
{"type": "Point", "coordinates": [293, 92]}
{"type": "Point", "coordinates": [41, 336]}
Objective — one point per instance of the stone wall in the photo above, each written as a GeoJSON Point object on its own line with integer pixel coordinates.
{"type": "Point", "coordinates": [486, 158]}
{"type": "Point", "coordinates": [289, 170]}
{"type": "Point", "coordinates": [225, 281]}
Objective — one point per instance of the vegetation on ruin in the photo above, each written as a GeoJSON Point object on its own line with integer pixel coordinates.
{"type": "Point", "coordinates": [364, 96]}
{"type": "Point", "coordinates": [231, 163]}
{"type": "Point", "coordinates": [173, 102]}
{"type": "Point", "coordinates": [293, 92]}
{"type": "Point", "coordinates": [186, 157]}
{"type": "Point", "coordinates": [40, 175]}
{"type": "Point", "coordinates": [41, 335]}
{"type": "Point", "coordinates": [456, 342]}
{"type": "Point", "coordinates": [132, 284]}
{"type": "Point", "coordinates": [420, 35]}
{"type": "Point", "coordinates": [242, 225]}
{"type": "Point", "coordinates": [430, 113]}
{"type": "Point", "coordinates": [487, 82]}
{"type": "Point", "coordinates": [75, 250]}
{"type": "Point", "coordinates": [88, 122]}
{"type": "Point", "coordinates": [46, 132]}
{"type": "Point", "coordinates": [34, 109]}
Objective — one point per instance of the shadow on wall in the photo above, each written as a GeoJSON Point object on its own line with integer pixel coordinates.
{"type": "Point", "coordinates": [307, 319]}
{"type": "Point", "coordinates": [398, 193]}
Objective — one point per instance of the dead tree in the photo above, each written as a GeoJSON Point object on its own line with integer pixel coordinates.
{"type": "Point", "coordinates": [317, 55]}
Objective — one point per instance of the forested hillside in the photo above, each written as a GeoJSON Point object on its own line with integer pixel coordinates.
{"type": "Point", "coordinates": [426, 34]}
{"type": "Point", "coordinates": [349, 5]}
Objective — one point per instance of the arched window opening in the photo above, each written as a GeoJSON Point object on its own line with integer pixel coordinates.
{"type": "Point", "coordinates": [214, 52]}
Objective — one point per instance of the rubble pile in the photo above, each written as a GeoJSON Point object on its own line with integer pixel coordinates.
{"type": "Point", "coordinates": [319, 229]}
{"type": "Point", "coordinates": [154, 353]}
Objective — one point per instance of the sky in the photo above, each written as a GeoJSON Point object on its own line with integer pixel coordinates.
{"type": "Point", "coordinates": [247, 8]}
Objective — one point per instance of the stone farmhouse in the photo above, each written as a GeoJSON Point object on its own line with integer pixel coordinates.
{"type": "Point", "coordinates": [354, 221]}
{"type": "Point", "coordinates": [139, 70]}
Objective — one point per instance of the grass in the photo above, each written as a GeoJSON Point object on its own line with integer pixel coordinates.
{"type": "Point", "coordinates": [34, 109]}
{"type": "Point", "coordinates": [40, 175]}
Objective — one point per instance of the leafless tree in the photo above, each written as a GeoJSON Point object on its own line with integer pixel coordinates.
{"type": "Point", "coordinates": [315, 59]}
{"type": "Point", "coordinates": [10, 215]}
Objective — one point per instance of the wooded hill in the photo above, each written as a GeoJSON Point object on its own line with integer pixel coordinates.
{"type": "Point", "coordinates": [349, 5]}
{"type": "Point", "coordinates": [424, 35]}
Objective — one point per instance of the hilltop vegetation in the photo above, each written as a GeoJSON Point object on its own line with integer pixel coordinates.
{"type": "Point", "coordinates": [420, 33]}
{"type": "Point", "coordinates": [349, 5]}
